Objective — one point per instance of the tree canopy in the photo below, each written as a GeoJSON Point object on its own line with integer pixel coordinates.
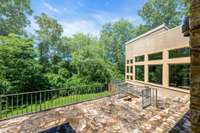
{"type": "Point", "coordinates": [13, 16]}
{"type": "Point", "coordinates": [49, 38]}
{"type": "Point", "coordinates": [113, 37]}
{"type": "Point", "coordinates": [157, 12]}
{"type": "Point", "coordinates": [19, 70]}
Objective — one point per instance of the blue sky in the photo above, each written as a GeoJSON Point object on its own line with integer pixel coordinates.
{"type": "Point", "coordinates": [86, 16]}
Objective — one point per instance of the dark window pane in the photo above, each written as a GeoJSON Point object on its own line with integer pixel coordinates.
{"type": "Point", "coordinates": [127, 61]}
{"type": "Point", "coordinates": [131, 69]}
{"type": "Point", "coordinates": [156, 56]}
{"type": "Point", "coordinates": [139, 58]}
{"type": "Point", "coordinates": [139, 73]}
{"type": "Point", "coordinates": [177, 53]}
{"type": "Point", "coordinates": [179, 75]}
{"type": "Point", "coordinates": [131, 61]}
{"type": "Point", "coordinates": [155, 74]}
{"type": "Point", "coordinates": [127, 77]}
{"type": "Point", "coordinates": [127, 69]}
{"type": "Point", "coordinates": [131, 77]}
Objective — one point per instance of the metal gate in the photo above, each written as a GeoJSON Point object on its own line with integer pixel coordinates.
{"type": "Point", "coordinates": [148, 94]}
{"type": "Point", "coordinates": [149, 97]}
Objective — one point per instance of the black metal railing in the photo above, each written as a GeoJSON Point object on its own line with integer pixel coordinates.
{"type": "Point", "coordinates": [148, 94]}
{"type": "Point", "coordinates": [12, 105]}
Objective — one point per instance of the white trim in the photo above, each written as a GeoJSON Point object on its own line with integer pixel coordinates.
{"type": "Point", "coordinates": [149, 32]}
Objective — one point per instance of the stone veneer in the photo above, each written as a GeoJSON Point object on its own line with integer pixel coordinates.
{"type": "Point", "coordinates": [194, 25]}
{"type": "Point", "coordinates": [106, 115]}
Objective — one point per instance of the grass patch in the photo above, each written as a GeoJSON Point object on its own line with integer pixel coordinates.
{"type": "Point", "coordinates": [50, 103]}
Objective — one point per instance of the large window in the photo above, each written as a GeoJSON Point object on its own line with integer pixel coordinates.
{"type": "Point", "coordinates": [139, 58]}
{"type": "Point", "coordinates": [139, 73]}
{"type": "Point", "coordinates": [177, 53]}
{"type": "Point", "coordinates": [179, 75]}
{"type": "Point", "coordinates": [155, 56]}
{"type": "Point", "coordinates": [155, 74]}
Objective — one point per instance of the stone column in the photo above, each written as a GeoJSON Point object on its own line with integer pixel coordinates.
{"type": "Point", "coordinates": [165, 69]}
{"type": "Point", "coordinates": [133, 73]}
{"type": "Point", "coordinates": [146, 69]}
{"type": "Point", "coordinates": [194, 26]}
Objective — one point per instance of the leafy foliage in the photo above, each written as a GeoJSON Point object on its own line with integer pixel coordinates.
{"type": "Point", "coordinates": [113, 37]}
{"type": "Point", "coordinates": [13, 16]}
{"type": "Point", "coordinates": [19, 70]}
{"type": "Point", "coordinates": [157, 12]}
{"type": "Point", "coordinates": [49, 38]}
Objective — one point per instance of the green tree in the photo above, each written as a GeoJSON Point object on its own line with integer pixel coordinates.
{"type": "Point", "coordinates": [141, 29]}
{"type": "Point", "coordinates": [157, 12]}
{"type": "Point", "coordinates": [49, 37]}
{"type": "Point", "coordinates": [13, 16]}
{"type": "Point", "coordinates": [89, 65]}
{"type": "Point", "coordinates": [19, 70]}
{"type": "Point", "coordinates": [113, 38]}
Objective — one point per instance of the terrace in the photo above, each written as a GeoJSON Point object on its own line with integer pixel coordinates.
{"type": "Point", "coordinates": [119, 108]}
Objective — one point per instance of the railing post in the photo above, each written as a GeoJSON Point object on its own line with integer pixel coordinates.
{"type": "Point", "coordinates": [31, 102]}
{"type": "Point", "coordinates": [40, 101]}
{"type": "Point", "coordinates": [150, 96]}
{"type": "Point", "coordinates": [142, 99]}
{"type": "Point", "coordinates": [12, 102]}
{"type": "Point", "coordinates": [156, 99]}
{"type": "Point", "coordinates": [26, 103]}
{"type": "Point", "coordinates": [17, 104]}
{"type": "Point", "coordinates": [6, 106]}
{"type": "Point", "coordinates": [22, 104]}
{"type": "Point", "coordinates": [1, 107]}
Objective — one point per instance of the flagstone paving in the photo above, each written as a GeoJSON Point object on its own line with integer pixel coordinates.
{"type": "Point", "coordinates": [106, 115]}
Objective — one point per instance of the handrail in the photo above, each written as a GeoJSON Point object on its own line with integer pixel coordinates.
{"type": "Point", "coordinates": [48, 90]}
{"type": "Point", "coordinates": [17, 104]}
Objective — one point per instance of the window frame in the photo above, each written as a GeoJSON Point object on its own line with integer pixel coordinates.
{"type": "Point", "coordinates": [136, 77]}
{"type": "Point", "coordinates": [137, 58]}
{"type": "Point", "coordinates": [154, 54]}
{"type": "Point", "coordinates": [189, 76]}
{"type": "Point", "coordinates": [149, 76]}
{"type": "Point", "coordinates": [178, 55]}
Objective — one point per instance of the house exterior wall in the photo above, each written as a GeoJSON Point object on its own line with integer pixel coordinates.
{"type": "Point", "coordinates": [162, 41]}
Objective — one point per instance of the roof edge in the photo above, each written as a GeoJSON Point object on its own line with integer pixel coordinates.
{"type": "Point", "coordinates": [148, 33]}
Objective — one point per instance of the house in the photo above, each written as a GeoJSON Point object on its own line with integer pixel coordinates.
{"type": "Point", "coordinates": [160, 57]}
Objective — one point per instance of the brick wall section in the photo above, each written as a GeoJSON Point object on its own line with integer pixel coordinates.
{"type": "Point", "coordinates": [195, 63]}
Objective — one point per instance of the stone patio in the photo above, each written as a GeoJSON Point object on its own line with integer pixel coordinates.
{"type": "Point", "coordinates": [106, 115]}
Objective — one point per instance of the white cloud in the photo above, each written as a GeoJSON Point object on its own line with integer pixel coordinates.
{"type": "Point", "coordinates": [84, 26]}
{"type": "Point", "coordinates": [51, 8]}
{"type": "Point", "coordinates": [104, 17]}
{"type": "Point", "coordinates": [101, 19]}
